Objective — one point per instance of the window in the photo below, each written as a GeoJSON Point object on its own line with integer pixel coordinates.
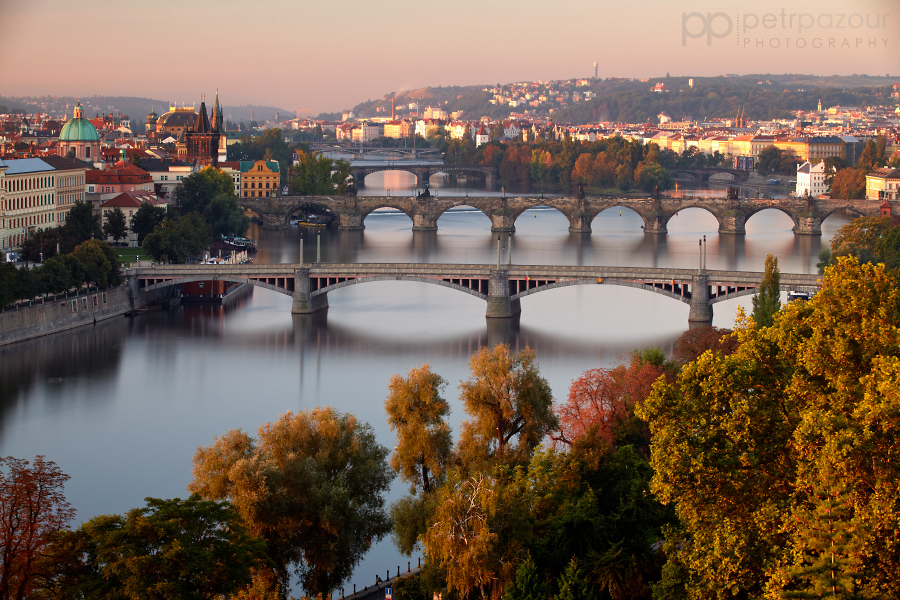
{"type": "Point", "coordinates": [74, 306]}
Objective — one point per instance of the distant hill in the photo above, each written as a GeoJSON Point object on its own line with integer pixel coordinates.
{"type": "Point", "coordinates": [761, 96]}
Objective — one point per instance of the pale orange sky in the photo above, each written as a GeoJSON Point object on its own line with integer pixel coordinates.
{"type": "Point", "coordinates": [327, 55]}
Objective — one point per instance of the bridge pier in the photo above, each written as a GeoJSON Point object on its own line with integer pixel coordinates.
{"type": "Point", "coordinates": [350, 220]}
{"type": "Point", "coordinates": [733, 222]}
{"type": "Point", "coordinates": [274, 220]}
{"type": "Point", "coordinates": [502, 221]}
{"type": "Point", "coordinates": [304, 303]}
{"type": "Point", "coordinates": [655, 222]}
{"type": "Point", "coordinates": [424, 222]}
{"type": "Point", "coordinates": [499, 303]}
{"type": "Point", "coordinates": [808, 225]}
{"type": "Point", "coordinates": [701, 313]}
{"type": "Point", "coordinates": [580, 223]}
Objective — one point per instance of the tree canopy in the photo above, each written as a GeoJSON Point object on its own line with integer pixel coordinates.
{"type": "Point", "coordinates": [33, 509]}
{"type": "Point", "coordinates": [197, 190]}
{"type": "Point", "coordinates": [509, 405]}
{"type": "Point", "coordinates": [767, 301]}
{"type": "Point", "coordinates": [186, 549]}
{"type": "Point", "coordinates": [311, 485]}
{"type": "Point", "coordinates": [747, 447]}
{"type": "Point", "coordinates": [317, 175]}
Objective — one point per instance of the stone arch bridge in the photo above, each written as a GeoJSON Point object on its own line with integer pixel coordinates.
{"type": "Point", "coordinates": [424, 171]}
{"type": "Point", "coordinates": [501, 287]}
{"type": "Point", "coordinates": [732, 215]}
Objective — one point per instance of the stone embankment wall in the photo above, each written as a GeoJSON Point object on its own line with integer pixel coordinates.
{"type": "Point", "coordinates": [60, 315]}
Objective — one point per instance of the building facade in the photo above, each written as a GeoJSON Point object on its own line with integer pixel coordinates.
{"type": "Point", "coordinates": [259, 179]}
{"type": "Point", "coordinates": [883, 184]}
{"type": "Point", "coordinates": [27, 201]}
{"type": "Point", "coordinates": [810, 180]}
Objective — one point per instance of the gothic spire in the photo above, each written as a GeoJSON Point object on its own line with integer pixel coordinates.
{"type": "Point", "coordinates": [216, 118]}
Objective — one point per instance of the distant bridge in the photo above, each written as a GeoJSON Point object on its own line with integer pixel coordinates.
{"type": "Point", "coordinates": [423, 171]}
{"type": "Point", "coordinates": [350, 212]}
{"type": "Point", "coordinates": [377, 151]}
{"type": "Point", "coordinates": [501, 286]}
{"type": "Point", "coordinates": [701, 174]}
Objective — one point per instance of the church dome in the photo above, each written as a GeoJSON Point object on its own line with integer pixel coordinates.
{"type": "Point", "coordinates": [177, 117]}
{"type": "Point", "coordinates": [79, 129]}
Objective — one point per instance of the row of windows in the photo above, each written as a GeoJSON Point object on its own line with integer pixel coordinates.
{"type": "Point", "coordinates": [253, 185]}
{"type": "Point", "coordinates": [29, 221]}
{"type": "Point", "coordinates": [29, 202]}
{"type": "Point", "coordinates": [255, 194]}
{"type": "Point", "coordinates": [25, 184]}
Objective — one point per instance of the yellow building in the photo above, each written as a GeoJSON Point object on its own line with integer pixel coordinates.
{"type": "Point", "coordinates": [259, 179]}
{"type": "Point", "coordinates": [883, 184]}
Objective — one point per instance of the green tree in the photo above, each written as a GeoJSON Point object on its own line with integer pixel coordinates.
{"type": "Point", "coordinates": [99, 261]}
{"type": "Point", "coordinates": [767, 301]}
{"type": "Point", "coordinates": [181, 549]}
{"type": "Point", "coordinates": [651, 176]}
{"type": "Point", "coordinates": [197, 190]}
{"type": "Point", "coordinates": [573, 585]}
{"type": "Point", "coordinates": [116, 226]}
{"type": "Point", "coordinates": [225, 216]}
{"type": "Point", "coordinates": [81, 225]}
{"type": "Point", "coordinates": [529, 583]}
{"type": "Point", "coordinates": [178, 240]}
{"type": "Point", "coordinates": [739, 441]}
{"type": "Point", "coordinates": [769, 160]}
{"type": "Point", "coordinates": [145, 220]}
{"type": "Point", "coordinates": [509, 405]}
{"type": "Point", "coordinates": [311, 485]}
{"type": "Point", "coordinates": [317, 175]}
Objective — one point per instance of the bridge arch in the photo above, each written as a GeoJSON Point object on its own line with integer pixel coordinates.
{"type": "Point", "coordinates": [793, 216]}
{"type": "Point", "coordinates": [463, 205]}
{"type": "Point", "coordinates": [229, 278]}
{"type": "Point", "coordinates": [827, 213]}
{"type": "Point", "coordinates": [413, 278]}
{"type": "Point", "coordinates": [387, 203]}
{"type": "Point", "coordinates": [607, 282]}
{"type": "Point", "coordinates": [539, 203]}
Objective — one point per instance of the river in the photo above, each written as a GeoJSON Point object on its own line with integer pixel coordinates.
{"type": "Point", "coordinates": [122, 406]}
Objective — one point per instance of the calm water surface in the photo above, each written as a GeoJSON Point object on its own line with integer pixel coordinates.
{"type": "Point", "coordinates": [123, 405]}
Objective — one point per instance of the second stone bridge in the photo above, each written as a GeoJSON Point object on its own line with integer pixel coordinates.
{"type": "Point", "coordinates": [502, 287]}
{"type": "Point", "coordinates": [424, 212]}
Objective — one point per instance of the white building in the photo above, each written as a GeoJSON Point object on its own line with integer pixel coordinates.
{"type": "Point", "coordinates": [810, 180]}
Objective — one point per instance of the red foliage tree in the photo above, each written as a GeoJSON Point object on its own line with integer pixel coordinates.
{"type": "Point", "coordinates": [601, 401]}
{"type": "Point", "coordinates": [695, 342]}
{"type": "Point", "coordinates": [32, 510]}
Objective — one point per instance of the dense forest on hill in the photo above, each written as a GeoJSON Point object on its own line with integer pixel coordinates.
{"type": "Point", "coordinates": [761, 96]}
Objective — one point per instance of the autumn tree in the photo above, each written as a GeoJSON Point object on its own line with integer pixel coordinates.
{"type": "Point", "coordinates": [601, 401]}
{"type": "Point", "coordinates": [190, 549]}
{"type": "Point", "coordinates": [311, 485]}
{"type": "Point", "coordinates": [849, 184]}
{"type": "Point", "coordinates": [417, 412]}
{"type": "Point", "coordinates": [767, 301]}
{"type": "Point", "coordinates": [33, 509]}
{"type": "Point", "coordinates": [694, 342]}
{"type": "Point", "coordinates": [860, 238]}
{"type": "Point", "coordinates": [509, 405]}
{"type": "Point", "coordinates": [740, 440]}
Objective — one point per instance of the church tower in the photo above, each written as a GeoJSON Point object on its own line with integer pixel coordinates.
{"type": "Point", "coordinates": [203, 140]}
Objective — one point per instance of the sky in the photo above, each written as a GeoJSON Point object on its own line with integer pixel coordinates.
{"type": "Point", "coordinates": [328, 55]}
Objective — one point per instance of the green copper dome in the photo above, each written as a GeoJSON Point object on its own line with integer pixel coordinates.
{"type": "Point", "coordinates": [79, 129]}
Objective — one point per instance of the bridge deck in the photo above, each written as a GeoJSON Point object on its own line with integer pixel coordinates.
{"type": "Point", "coordinates": [715, 277]}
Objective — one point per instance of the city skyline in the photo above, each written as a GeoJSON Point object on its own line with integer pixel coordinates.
{"type": "Point", "coordinates": [318, 57]}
